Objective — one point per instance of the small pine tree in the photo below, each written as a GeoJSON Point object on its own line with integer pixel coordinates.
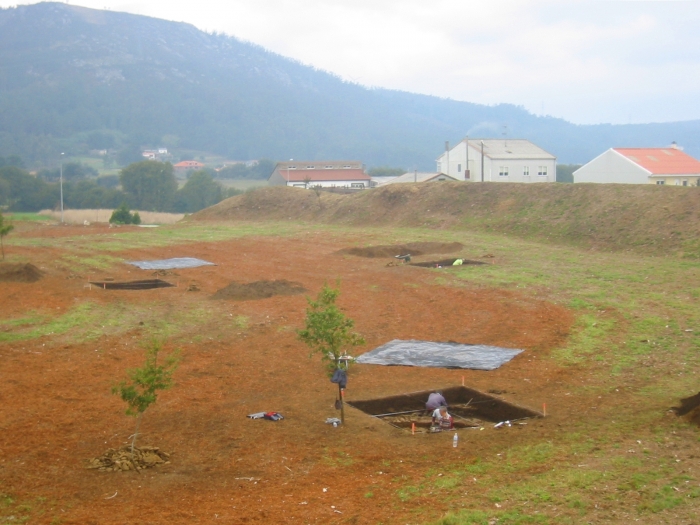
{"type": "Point", "coordinates": [328, 331]}
{"type": "Point", "coordinates": [145, 383]}
{"type": "Point", "coordinates": [122, 216]}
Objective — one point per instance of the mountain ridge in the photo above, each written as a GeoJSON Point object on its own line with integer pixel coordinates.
{"type": "Point", "coordinates": [67, 72]}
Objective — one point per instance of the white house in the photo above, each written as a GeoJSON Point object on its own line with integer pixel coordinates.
{"type": "Point", "coordinates": [498, 160]}
{"type": "Point", "coordinates": [418, 176]}
{"type": "Point", "coordinates": [641, 166]}
{"type": "Point", "coordinates": [324, 173]}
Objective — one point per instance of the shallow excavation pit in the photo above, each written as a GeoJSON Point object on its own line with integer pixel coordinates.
{"type": "Point", "coordinates": [470, 409]}
{"type": "Point", "coordinates": [446, 263]}
{"type": "Point", "coordinates": [145, 284]}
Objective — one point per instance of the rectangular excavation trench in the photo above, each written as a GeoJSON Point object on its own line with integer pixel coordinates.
{"type": "Point", "coordinates": [470, 408]}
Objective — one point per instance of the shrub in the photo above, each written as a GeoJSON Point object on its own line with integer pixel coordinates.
{"type": "Point", "coordinates": [122, 216]}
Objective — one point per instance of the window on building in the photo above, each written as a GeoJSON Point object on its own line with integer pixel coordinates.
{"type": "Point", "coordinates": [685, 183]}
{"type": "Point", "coordinates": [347, 166]}
{"type": "Point", "coordinates": [310, 167]}
{"type": "Point", "coordinates": [357, 185]}
{"type": "Point", "coordinates": [660, 182]}
{"type": "Point", "coordinates": [526, 171]}
{"type": "Point", "coordinates": [328, 167]}
{"type": "Point", "coordinates": [542, 171]}
{"type": "Point", "coordinates": [459, 168]}
{"type": "Point", "coordinates": [503, 171]}
{"type": "Point", "coordinates": [291, 167]}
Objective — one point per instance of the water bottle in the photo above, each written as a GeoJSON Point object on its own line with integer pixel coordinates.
{"type": "Point", "coordinates": [455, 440]}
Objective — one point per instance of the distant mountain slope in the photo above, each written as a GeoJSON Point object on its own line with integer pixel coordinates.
{"type": "Point", "coordinates": [67, 72]}
{"type": "Point", "coordinates": [648, 219]}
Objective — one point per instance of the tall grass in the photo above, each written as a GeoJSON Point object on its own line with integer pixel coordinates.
{"type": "Point", "coordinates": [103, 215]}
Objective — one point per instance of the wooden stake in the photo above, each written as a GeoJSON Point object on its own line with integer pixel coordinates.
{"type": "Point", "coordinates": [462, 380]}
{"type": "Point", "coordinates": [544, 409]}
{"type": "Point", "coordinates": [413, 428]}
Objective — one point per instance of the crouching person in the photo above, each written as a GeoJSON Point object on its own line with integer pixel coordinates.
{"type": "Point", "coordinates": [442, 420]}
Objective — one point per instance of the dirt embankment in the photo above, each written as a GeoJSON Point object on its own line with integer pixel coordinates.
{"type": "Point", "coordinates": [644, 218]}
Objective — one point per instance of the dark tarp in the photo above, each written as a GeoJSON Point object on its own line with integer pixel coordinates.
{"type": "Point", "coordinates": [440, 355]}
{"type": "Point", "coordinates": [171, 264]}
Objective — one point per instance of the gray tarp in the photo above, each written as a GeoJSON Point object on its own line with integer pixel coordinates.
{"type": "Point", "coordinates": [171, 264]}
{"type": "Point", "coordinates": [441, 355]}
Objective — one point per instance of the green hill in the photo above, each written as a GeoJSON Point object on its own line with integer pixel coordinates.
{"type": "Point", "coordinates": [659, 220]}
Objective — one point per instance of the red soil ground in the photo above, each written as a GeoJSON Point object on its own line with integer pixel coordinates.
{"type": "Point", "coordinates": [57, 410]}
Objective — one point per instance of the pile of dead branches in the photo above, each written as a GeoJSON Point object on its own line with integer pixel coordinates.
{"type": "Point", "coordinates": [121, 459]}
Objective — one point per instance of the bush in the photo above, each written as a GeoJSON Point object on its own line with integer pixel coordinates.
{"type": "Point", "coordinates": [122, 216]}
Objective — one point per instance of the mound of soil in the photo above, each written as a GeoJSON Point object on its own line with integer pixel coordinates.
{"type": "Point", "coordinates": [690, 409]}
{"type": "Point", "coordinates": [117, 460]}
{"type": "Point", "coordinates": [445, 263]}
{"type": "Point", "coordinates": [259, 290]}
{"type": "Point", "coordinates": [19, 273]}
{"type": "Point", "coordinates": [413, 248]}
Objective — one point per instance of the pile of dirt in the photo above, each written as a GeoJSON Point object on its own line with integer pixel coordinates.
{"type": "Point", "coordinates": [690, 409]}
{"type": "Point", "coordinates": [259, 290]}
{"type": "Point", "coordinates": [413, 248]}
{"type": "Point", "coordinates": [644, 218]}
{"type": "Point", "coordinates": [19, 273]}
{"type": "Point", "coordinates": [162, 273]}
{"type": "Point", "coordinates": [118, 460]}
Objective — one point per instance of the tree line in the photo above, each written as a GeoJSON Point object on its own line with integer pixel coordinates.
{"type": "Point", "coordinates": [146, 185]}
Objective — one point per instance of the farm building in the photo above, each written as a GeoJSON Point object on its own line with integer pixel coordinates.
{"type": "Point", "coordinates": [327, 174]}
{"type": "Point", "coordinates": [498, 160]}
{"type": "Point", "coordinates": [418, 176]}
{"type": "Point", "coordinates": [642, 166]}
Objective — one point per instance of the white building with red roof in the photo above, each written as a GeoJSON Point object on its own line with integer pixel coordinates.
{"type": "Point", "coordinates": [188, 165]}
{"type": "Point", "coordinates": [324, 173]}
{"type": "Point", "coordinates": [642, 166]}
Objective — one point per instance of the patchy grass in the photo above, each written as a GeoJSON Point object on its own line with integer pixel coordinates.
{"type": "Point", "coordinates": [27, 217]}
{"type": "Point", "coordinates": [89, 321]}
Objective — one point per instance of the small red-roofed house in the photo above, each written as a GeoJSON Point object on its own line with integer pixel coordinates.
{"type": "Point", "coordinates": [323, 173]}
{"type": "Point", "coordinates": [188, 165]}
{"type": "Point", "coordinates": [642, 166]}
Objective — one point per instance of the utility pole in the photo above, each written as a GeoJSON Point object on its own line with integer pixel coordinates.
{"type": "Point", "coordinates": [466, 172]}
{"type": "Point", "coordinates": [61, 186]}
{"type": "Point", "coordinates": [415, 175]}
{"type": "Point", "coordinates": [447, 151]}
{"type": "Point", "coordinates": [482, 161]}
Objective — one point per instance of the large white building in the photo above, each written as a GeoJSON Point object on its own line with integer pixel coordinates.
{"type": "Point", "coordinates": [498, 160]}
{"type": "Point", "coordinates": [641, 166]}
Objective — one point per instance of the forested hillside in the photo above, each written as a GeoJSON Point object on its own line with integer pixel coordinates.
{"type": "Point", "coordinates": [74, 79]}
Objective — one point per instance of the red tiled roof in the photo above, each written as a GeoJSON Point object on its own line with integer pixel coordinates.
{"type": "Point", "coordinates": [299, 175]}
{"type": "Point", "coordinates": [188, 164]}
{"type": "Point", "coordinates": [662, 161]}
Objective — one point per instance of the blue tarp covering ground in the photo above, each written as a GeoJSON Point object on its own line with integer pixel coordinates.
{"type": "Point", "coordinates": [440, 355]}
{"type": "Point", "coordinates": [171, 264]}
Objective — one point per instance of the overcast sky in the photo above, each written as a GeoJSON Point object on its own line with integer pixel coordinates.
{"type": "Point", "coordinates": [586, 61]}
